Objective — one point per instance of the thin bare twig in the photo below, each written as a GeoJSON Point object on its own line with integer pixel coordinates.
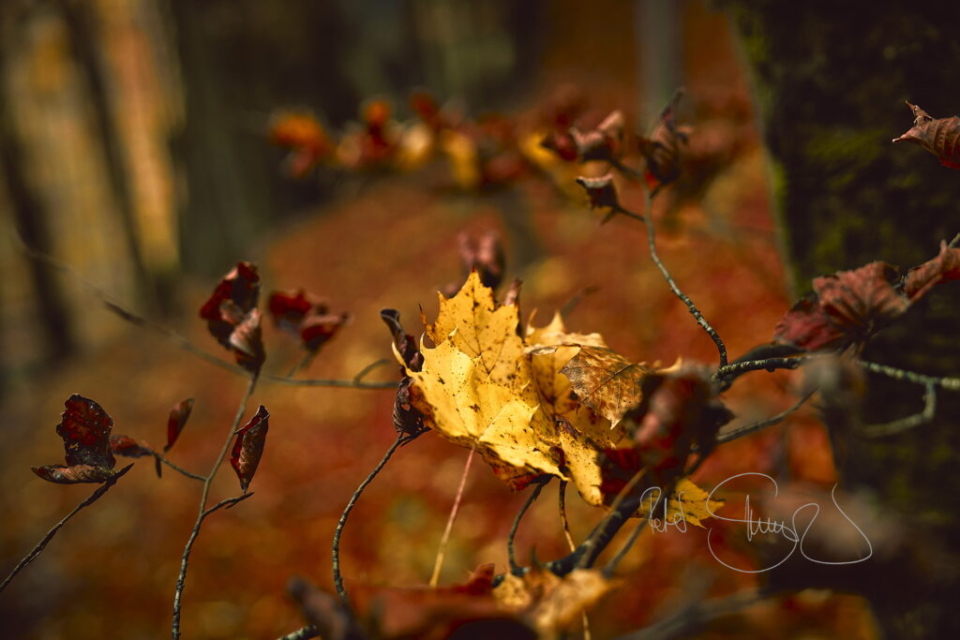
{"type": "Point", "coordinates": [951, 384]}
{"type": "Point", "coordinates": [909, 422]}
{"type": "Point", "coordinates": [37, 550]}
{"type": "Point", "coordinates": [337, 577]}
{"type": "Point", "coordinates": [203, 513]}
{"type": "Point", "coordinates": [753, 427]}
{"type": "Point", "coordinates": [515, 568]}
{"type": "Point", "coordinates": [694, 311]}
{"type": "Point", "coordinates": [445, 539]}
{"type": "Point", "coordinates": [180, 470]}
{"type": "Point", "coordinates": [766, 364]}
{"type": "Point", "coordinates": [662, 496]}
{"type": "Point", "coordinates": [370, 367]}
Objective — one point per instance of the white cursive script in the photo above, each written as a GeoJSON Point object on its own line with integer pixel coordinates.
{"type": "Point", "coordinates": [791, 533]}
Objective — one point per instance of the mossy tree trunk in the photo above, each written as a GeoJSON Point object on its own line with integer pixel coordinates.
{"type": "Point", "coordinates": [832, 79]}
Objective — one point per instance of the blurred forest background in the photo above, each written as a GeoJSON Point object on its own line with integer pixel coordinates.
{"type": "Point", "coordinates": [134, 147]}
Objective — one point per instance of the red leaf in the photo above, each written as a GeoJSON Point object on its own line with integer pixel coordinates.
{"type": "Point", "coordinates": [248, 447]}
{"type": "Point", "coordinates": [808, 327]}
{"type": "Point", "coordinates": [920, 279]}
{"type": "Point", "coordinates": [305, 137]}
{"type": "Point", "coordinates": [848, 307]}
{"type": "Point", "coordinates": [306, 315]}
{"type": "Point", "coordinates": [485, 254]}
{"type": "Point", "coordinates": [85, 429]}
{"type": "Point", "coordinates": [940, 136]}
{"type": "Point", "coordinates": [177, 421]}
{"type": "Point", "coordinates": [232, 317]}
{"type": "Point", "coordinates": [601, 192]}
{"type": "Point", "coordinates": [604, 143]}
{"type": "Point", "coordinates": [128, 447]}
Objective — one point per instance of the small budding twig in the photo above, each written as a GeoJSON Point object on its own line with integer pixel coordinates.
{"type": "Point", "coordinates": [694, 311]}
{"type": "Point", "coordinates": [445, 539]}
{"type": "Point", "coordinates": [37, 550]}
{"type": "Point", "coordinates": [203, 512]}
{"type": "Point", "coordinates": [515, 568]}
{"type": "Point", "coordinates": [337, 577]}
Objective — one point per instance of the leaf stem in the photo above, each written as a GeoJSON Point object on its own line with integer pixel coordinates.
{"type": "Point", "coordinates": [337, 577]}
{"type": "Point", "coordinates": [445, 539]}
{"type": "Point", "coordinates": [694, 311]}
{"type": "Point", "coordinates": [38, 549]}
{"type": "Point", "coordinates": [203, 513]}
{"type": "Point", "coordinates": [515, 568]}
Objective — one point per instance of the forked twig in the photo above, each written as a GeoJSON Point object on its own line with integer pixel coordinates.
{"type": "Point", "coordinates": [203, 512]}
{"type": "Point", "coordinates": [37, 550]}
{"type": "Point", "coordinates": [445, 539]}
{"type": "Point", "coordinates": [753, 427]}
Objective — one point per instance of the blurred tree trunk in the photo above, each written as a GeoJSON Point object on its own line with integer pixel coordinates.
{"type": "Point", "coordinates": [832, 79]}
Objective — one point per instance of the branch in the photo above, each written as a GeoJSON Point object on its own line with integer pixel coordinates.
{"type": "Point", "coordinates": [516, 569]}
{"type": "Point", "coordinates": [909, 422]}
{"type": "Point", "coordinates": [208, 480]}
{"type": "Point", "coordinates": [37, 550]}
{"type": "Point", "coordinates": [652, 244]}
{"type": "Point", "coordinates": [746, 430]}
{"type": "Point", "coordinates": [304, 633]}
{"type": "Point", "coordinates": [189, 474]}
{"type": "Point", "coordinates": [337, 577]}
{"type": "Point", "coordinates": [950, 384]}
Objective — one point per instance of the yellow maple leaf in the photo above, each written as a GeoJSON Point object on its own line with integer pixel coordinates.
{"type": "Point", "coordinates": [475, 386]}
{"type": "Point", "coordinates": [687, 503]}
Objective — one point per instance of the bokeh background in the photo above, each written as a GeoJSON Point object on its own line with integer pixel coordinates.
{"type": "Point", "coordinates": [135, 148]}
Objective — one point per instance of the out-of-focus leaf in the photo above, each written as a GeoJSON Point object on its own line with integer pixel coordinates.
{"type": "Point", "coordinates": [549, 603]}
{"type": "Point", "coordinates": [662, 149]}
{"type": "Point", "coordinates": [128, 447]}
{"type": "Point", "coordinates": [306, 138]}
{"type": "Point", "coordinates": [179, 415]}
{"type": "Point", "coordinates": [605, 143]}
{"type": "Point", "coordinates": [601, 192]}
{"type": "Point", "coordinates": [920, 279]}
{"type": "Point", "coordinates": [85, 428]}
{"type": "Point", "coordinates": [325, 611]}
{"type": "Point", "coordinates": [307, 316]}
{"type": "Point", "coordinates": [248, 447]}
{"type": "Point", "coordinates": [232, 316]}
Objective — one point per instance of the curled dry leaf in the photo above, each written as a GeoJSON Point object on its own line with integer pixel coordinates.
{"type": "Point", "coordinates": [85, 428]}
{"type": "Point", "coordinates": [940, 136]}
{"type": "Point", "coordinates": [662, 149]}
{"type": "Point", "coordinates": [232, 317]}
{"type": "Point", "coordinates": [549, 603]}
{"type": "Point", "coordinates": [307, 316]}
{"type": "Point", "coordinates": [920, 279]}
{"type": "Point", "coordinates": [248, 447]}
{"type": "Point", "coordinates": [601, 192]}
{"type": "Point", "coordinates": [179, 415]}
{"type": "Point", "coordinates": [604, 143]}
{"type": "Point", "coordinates": [129, 448]}
{"type": "Point", "coordinates": [483, 254]}
{"type": "Point", "coordinates": [606, 381]}
{"type": "Point", "coordinates": [848, 308]}
{"type": "Point", "coordinates": [467, 610]}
